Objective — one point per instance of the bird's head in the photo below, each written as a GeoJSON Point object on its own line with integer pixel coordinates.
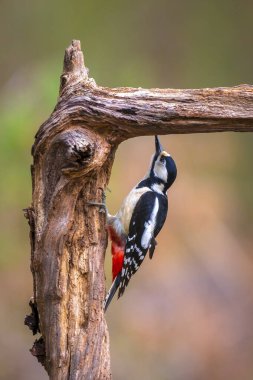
{"type": "Point", "coordinates": [163, 168]}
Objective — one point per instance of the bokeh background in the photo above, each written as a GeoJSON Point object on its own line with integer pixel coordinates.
{"type": "Point", "coordinates": [188, 314]}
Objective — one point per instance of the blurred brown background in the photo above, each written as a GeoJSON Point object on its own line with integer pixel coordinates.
{"type": "Point", "coordinates": [188, 314]}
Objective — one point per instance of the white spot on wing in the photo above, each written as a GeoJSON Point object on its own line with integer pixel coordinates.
{"type": "Point", "coordinates": [138, 250]}
{"type": "Point", "coordinates": [131, 238]}
{"type": "Point", "coordinates": [136, 266]}
{"type": "Point", "coordinates": [150, 226]}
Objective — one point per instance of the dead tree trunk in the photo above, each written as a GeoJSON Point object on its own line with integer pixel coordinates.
{"type": "Point", "coordinates": [73, 155]}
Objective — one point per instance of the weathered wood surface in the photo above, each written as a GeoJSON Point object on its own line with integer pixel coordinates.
{"type": "Point", "coordinates": [73, 154]}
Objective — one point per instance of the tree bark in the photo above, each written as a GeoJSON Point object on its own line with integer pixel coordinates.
{"type": "Point", "coordinates": [73, 154]}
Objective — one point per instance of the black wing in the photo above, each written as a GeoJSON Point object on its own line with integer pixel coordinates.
{"type": "Point", "coordinates": [161, 217]}
{"type": "Point", "coordinates": [147, 220]}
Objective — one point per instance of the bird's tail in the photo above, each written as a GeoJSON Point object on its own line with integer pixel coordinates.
{"type": "Point", "coordinates": [112, 291]}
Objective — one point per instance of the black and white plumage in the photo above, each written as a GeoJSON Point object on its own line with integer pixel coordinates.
{"type": "Point", "coordinates": [148, 218]}
{"type": "Point", "coordinates": [141, 218]}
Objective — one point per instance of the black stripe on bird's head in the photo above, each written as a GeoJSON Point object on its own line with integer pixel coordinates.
{"type": "Point", "coordinates": [163, 168]}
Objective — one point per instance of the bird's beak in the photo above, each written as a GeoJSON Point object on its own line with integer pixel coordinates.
{"type": "Point", "coordinates": [158, 146]}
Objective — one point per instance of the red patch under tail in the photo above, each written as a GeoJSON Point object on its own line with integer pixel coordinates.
{"type": "Point", "coordinates": [118, 250]}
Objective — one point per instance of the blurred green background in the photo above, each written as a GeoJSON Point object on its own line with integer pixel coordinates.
{"type": "Point", "coordinates": [187, 315]}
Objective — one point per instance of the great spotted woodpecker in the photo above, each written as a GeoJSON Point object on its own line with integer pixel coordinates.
{"type": "Point", "coordinates": [139, 220]}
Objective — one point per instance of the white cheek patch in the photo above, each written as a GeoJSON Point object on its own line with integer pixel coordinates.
{"type": "Point", "coordinates": [160, 171]}
{"type": "Point", "coordinates": [150, 226]}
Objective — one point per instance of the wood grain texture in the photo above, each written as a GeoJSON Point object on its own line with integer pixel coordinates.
{"type": "Point", "coordinates": [73, 154]}
{"type": "Point", "coordinates": [68, 258]}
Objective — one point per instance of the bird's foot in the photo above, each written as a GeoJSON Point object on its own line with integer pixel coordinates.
{"type": "Point", "coordinates": [102, 204]}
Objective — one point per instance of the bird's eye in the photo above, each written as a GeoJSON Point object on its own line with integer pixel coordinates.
{"type": "Point", "coordinates": [162, 159]}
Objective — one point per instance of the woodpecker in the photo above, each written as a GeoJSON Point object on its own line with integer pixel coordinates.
{"type": "Point", "coordinates": [139, 220]}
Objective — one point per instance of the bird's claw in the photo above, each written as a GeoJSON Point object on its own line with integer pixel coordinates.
{"type": "Point", "coordinates": [102, 204]}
